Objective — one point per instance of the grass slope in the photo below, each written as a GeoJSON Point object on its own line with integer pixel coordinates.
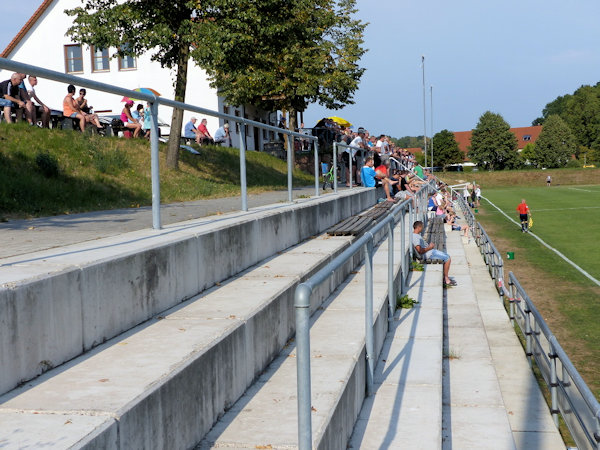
{"type": "Point", "coordinates": [48, 172]}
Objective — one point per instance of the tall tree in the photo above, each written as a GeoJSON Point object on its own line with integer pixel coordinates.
{"type": "Point", "coordinates": [582, 114]}
{"type": "Point", "coordinates": [446, 149]}
{"type": "Point", "coordinates": [527, 154]}
{"type": "Point", "coordinates": [166, 29]}
{"type": "Point", "coordinates": [493, 145]}
{"type": "Point", "coordinates": [555, 145]}
{"type": "Point", "coordinates": [282, 54]}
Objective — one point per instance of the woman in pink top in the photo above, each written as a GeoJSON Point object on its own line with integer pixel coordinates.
{"type": "Point", "coordinates": [129, 121]}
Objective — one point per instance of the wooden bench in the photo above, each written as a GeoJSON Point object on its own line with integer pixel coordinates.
{"type": "Point", "coordinates": [434, 233]}
{"type": "Point", "coordinates": [355, 225]}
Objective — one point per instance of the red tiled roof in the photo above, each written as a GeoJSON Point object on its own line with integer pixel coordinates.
{"type": "Point", "coordinates": [30, 23]}
{"type": "Point", "coordinates": [463, 138]}
{"type": "Point", "coordinates": [413, 150]}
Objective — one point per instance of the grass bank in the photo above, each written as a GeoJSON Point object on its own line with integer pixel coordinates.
{"type": "Point", "coordinates": [49, 172]}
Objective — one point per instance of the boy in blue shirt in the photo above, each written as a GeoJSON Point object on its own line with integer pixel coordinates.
{"type": "Point", "coordinates": [367, 173]}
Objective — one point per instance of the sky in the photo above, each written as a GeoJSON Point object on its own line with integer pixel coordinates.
{"type": "Point", "coordinates": [509, 57]}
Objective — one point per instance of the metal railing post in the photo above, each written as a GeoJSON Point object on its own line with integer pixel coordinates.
{"type": "Point", "coordinates": [391, 290]}
{"type": "Point", "coordinates": [403, 267]}
{"type": "Point", "coordinates": [350, 159]}
{"type": "Point", "coordinates": [512, 304]}
{"type": "Point", "coordinates": [302, 306]}
{"type": "Point", "coordinates": [528, 333]}
{"type": "Point", "coordinates": [154, 163]}
{"type": "Point", "coordinates": [316, 147]}
{"type": "Point", "coordinates": [243, 166]}
{"type": "Point", "coordinates": [553, 384]}
{"type": "Point", "coordinates": [335, 186]}
{"type": "Point", "coordinates": [369, 314]}
{"type": "Point", "coordinates": [290, 149]}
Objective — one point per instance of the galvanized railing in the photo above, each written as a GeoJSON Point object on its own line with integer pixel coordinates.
{"type": "Point", "coordinates": [570, 396]}
{"type": "Point", "coordinates": [304, 291]}
{"type": "Point", "coordinates": [154, 102]}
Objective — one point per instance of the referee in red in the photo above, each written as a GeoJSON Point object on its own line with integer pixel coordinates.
{"type": "Point", "coordinates": [523, 215]}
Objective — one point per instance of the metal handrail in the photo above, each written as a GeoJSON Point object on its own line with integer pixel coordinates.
{"type": "Point", "coordinates": [570, 395]}
{"type": "Point", "coordinates": [304, 291]}
{"type": "Point", "coordinates": [157, 100]}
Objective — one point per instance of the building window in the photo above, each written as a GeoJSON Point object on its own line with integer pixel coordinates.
{"type": "Point", "coordinates": [237, 124]}
{"type": "Point", "coordinates": [100, 61]}
{"type": "Point", "coordinates": [73, 59]}
{"type": "Point", "coordinates": [527, 137]}
{"type": "Point", "coordinates": [127, 62]}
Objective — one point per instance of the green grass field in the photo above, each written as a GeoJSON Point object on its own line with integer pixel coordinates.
{"type": "Point", "coordinates": [566, 217]}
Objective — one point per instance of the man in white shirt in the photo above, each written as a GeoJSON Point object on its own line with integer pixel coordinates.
{"type": "Point", "coordinates": [39, 108]}
{"type": "Point", "coordinates": [357, 142]}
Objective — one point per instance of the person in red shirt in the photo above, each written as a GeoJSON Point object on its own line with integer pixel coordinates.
{"type": "Point", "coordinates": [203, 134]}
{"type": "Point", "coordinates": [523, 215]}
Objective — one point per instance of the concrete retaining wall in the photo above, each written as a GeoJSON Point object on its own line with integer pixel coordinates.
{"type": "Point", "coordinates": [58, 304]}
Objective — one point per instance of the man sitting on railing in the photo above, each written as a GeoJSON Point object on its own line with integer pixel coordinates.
{"type": "Point", "coordinates": [428, 252]}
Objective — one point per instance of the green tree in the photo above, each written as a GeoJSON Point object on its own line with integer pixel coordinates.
{"type": "Point", "coordinates": [555, 145]}
{"type": "Point", "coordinates": [582, 115]}
{"type": "Point", "coordinates": [493, 145]}
{"type": "Point", "coordinates": [527, 154]}
{"type": "Point", "coordinates": [283, 54]}
{"type": "Point", "coordinates": [165, 29]}
{"type": "Point", "coordinates": [445, 149]}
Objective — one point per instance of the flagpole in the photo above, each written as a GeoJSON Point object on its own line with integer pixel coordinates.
{"type": "Point", "coordinates": [424, 112]}
{"type": "Point", "coordinates": [431, 110]}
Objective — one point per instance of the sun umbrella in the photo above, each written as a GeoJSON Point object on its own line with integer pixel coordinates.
{"type": "Point", "coordinates": [341, 122]}
{"type": "Point", "coordinates": [142, 90]}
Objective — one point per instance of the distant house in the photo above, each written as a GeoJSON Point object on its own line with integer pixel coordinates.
{"type": "Point", "coordinates": [524, 136]}
{"type": "Point", "coordinates": [42, 42]}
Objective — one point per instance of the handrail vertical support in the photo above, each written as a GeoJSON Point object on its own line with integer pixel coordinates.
{"type": "Point", "coordinates": [155, 166]}
{"type": "Point", "coordinates": [316, 147]}
{"type": "Point", "coordinates": [528, 336]}
{"type": "Point", "coordinates": [243, 166]}
{"type": "Point", "coordinates": [404, 265]}
{"type": "Point", "coordinates": [290, 154]}
{"type": "Point", "coordinates": [350, 166]}
{"type": "Point", "coordinates": [302, 305]}
{"type": "Point", "coordinates": [335, 186]}
{"type": "Point", "coordinates": [391, 290]}
{"type": "Point", "coordinates": [369, 315]}
{"type": "Point", "coordinates": [553, 384]}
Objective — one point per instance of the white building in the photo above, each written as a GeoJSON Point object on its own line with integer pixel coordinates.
{"type": "Point", "coordinates": [42, 42]}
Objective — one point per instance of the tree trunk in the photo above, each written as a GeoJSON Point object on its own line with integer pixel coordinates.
{"type": "Point", "coordinates": [177, 118]}
{"type": "Point", "coordinates": [292, 125]}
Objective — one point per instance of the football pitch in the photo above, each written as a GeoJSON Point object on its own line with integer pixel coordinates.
{"type": "Point", "coordinates": [565, 217]}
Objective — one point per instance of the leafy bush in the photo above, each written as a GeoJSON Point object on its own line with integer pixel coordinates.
{"type": "Point", "coordinates": [47, 164]}
{"type": "Point", "coordinates": [573, 163]}
{"type": "Point", "coordinates": [405, 302]}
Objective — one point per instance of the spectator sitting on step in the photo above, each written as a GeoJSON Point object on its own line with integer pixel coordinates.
{"type": "Point", "coordinates": [190, 131]}
{"type": "Point", "coordinates": [222, 135]}
{"type": "Point", "coordinates": [11, 98]}
{"type": "Point", "coordinates": [39, 109]}
{"type": "Point", "coordinates": [129, 121]}
{"type": "Point", "coordinates": [203, 134]}
{"type": "Point", "coordinates": [386, 181]}
{"type": "Point", "coordinates": [428, 252]}
{"type": "Point", "coordinates": [71, 109]}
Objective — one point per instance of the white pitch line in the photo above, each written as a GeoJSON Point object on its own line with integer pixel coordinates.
{"type": "Point", "coordinates": [563, 209]}
{"type": "Point", "coordinates": [585, 190]}
{"type": "Point", "coordinates": [583, 272]}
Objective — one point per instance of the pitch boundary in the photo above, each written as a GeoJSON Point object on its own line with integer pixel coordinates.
{"type": "Point", "coordinates": [583, 272]}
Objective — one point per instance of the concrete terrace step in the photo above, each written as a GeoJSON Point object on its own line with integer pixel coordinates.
{"type": "Point", "coordinates": [266, 415]}
{"type": "Point", "coordinates": [405, 411]}
{"type": "Point", "coordinates": [164, 383]}
{"type": "Point", "coordinates": [491, 398]}
{"type": "Point", "coordinates": [59, 303]}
